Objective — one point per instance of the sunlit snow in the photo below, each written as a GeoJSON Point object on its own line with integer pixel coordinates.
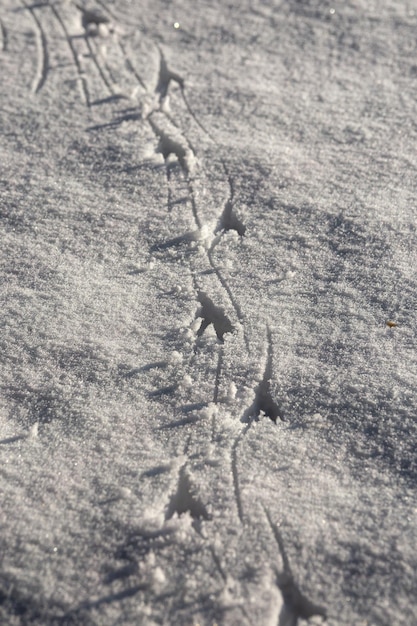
{"type": "Point", "coordinates": [208, 348]}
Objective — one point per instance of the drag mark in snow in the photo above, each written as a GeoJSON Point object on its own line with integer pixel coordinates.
{"type": "Point", "coordinates": [216, 390]}
{"type": "Point", "coordinates": [4, 36]}
{"type": "Point", "coordinates": [218, 563]}
{"type": "Point", "coordinates": [229, 292]}
{"type": "Point", "coordinates": [94, 58]}
{"type": "Point", "coordinates": [235, 471]}
{"type": "Point", "coordinates": [228, 219]}
{"type": "Point", "coordinates": [296, 605]}
{"type": "Point", "coordinates": [200, 124]}
{"type": "Point", "coordinates": [42, 46]}
{"type": "Point", "coordinates": [263, 402]}
{"type": "Point", "coordinates": [93, 19]}
{"type": "Point", "coordinates": [129, 65]}
{"type": "Point", "coordinates": [89, 19]}
{"type": "Point", "coordinates": [171, 141]}
{"type": "Point", "coordinates": [128, 62]}
{"type": "Point", "coordinates": [218, 374]}
{"type": "Point", "coordinates": [81, 74]}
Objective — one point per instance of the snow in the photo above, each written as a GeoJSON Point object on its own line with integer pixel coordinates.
{"type": "Point", "coordinates": [208, 349]}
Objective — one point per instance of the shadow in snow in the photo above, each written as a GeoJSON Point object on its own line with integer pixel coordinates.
{"type": "Point", "coordinates": [296, 605]}
{"type": "Point", "coordinates": [186, 501]}
{"type": "Point", "coordinates": [212, 314]}
{"type": "Point", "coordinates": [264, 402]}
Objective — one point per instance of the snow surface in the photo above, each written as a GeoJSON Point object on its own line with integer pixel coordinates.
{"type": "Point", "coordinates": [208, 217]}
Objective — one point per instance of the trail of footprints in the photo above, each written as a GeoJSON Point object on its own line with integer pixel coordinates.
{"type": "Point", "coordinates": [86, 33]}
{"type": "Point", "coordinates": [100, 59]}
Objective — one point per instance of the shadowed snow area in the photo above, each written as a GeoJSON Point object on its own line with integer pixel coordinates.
{"type": "Point", "coordinates": [208, 362]}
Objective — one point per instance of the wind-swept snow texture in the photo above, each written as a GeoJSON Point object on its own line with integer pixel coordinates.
{"type": "Point", "coordinates": [208, 313]}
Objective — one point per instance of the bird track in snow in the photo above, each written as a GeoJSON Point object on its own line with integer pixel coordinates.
{"type": "Point", "coordinates": [98, 80]}
{"type": "Point", "coordinates": [296, 605]}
